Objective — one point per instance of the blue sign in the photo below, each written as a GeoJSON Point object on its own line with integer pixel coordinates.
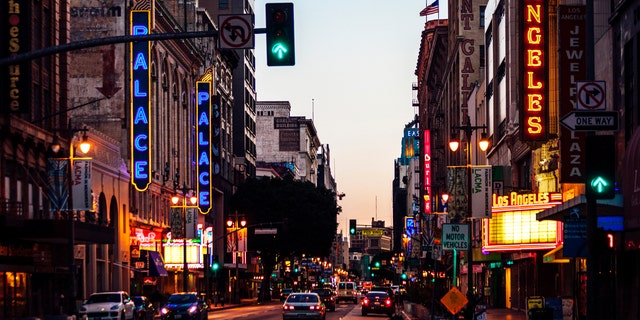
{"type": "Point", "coordinates": [203, 147]}
{"type": "Point", "coordinates": [216, 124]}
{"type": "Point", "coordinates": [140, 102]}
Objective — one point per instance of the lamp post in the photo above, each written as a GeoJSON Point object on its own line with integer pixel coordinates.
{"type": "Point", "coordinates": [237, 225]}
{"type": "Point", "coordinates": [84, 147]}
{"type": "Point", "coordinates": [193, 200]}
{"type": "Point", "coordinates": [454, 145]}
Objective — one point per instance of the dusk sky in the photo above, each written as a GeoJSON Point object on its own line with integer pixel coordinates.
{"type": "Point", "coordinates": [355, 64]}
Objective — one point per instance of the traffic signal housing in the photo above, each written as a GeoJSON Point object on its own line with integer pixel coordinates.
{"type": "Point", "coordinates": [600, 167]}
{"type": "Point", "coordinates": [352, 226]}
{"type": "Point", "coordinates": [280, 35]}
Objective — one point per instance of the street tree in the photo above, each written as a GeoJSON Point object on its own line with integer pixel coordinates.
{"type": "Point", "coordinates": [305, 217]}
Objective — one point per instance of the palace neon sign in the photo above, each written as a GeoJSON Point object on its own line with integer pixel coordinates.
{"type": "Point", "coordinates": [140, 102]}
{"type": "Point", "coordinates": [203, 147]}
{"type": "Point", "coordinates": [534, 118]}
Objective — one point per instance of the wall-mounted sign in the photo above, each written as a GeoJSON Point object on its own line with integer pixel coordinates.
{"type": "Point", "coordinates": [140, 116]}
{"type": "Point", "coordinates": [534, 117]}
{"type": "Point", "coordinates": [426, 162]}
{"type": "Point", "coordinates": [203, 145]}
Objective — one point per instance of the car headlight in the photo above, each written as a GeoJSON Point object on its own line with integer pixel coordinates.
{"type": "Point", "coordinates": [164, 310]}
{"type": "Point", "coordinates": [115, 307]}
{"type": "Point", "coordinates": [193, 309]}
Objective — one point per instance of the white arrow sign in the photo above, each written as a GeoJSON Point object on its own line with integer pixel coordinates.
{"type": "Point", "coordinates": [591, 121]}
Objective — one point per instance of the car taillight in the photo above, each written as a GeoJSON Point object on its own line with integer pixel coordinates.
{"type": "Point", "coordinates": [286, 307]}
{"type": "Point", "coordinates": [387, 302]}
{"type": "Point", "coordinates": [365, 301]}
{"type": "Point", "coordinates": [314, 307]}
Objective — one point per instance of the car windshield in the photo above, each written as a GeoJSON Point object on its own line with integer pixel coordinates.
{"type": "Point", "coordinates": [302, 298]}
{"type": "Point", "coordinates": [182, 298]}
{"type": "Point", "coordinates": [102, 298]}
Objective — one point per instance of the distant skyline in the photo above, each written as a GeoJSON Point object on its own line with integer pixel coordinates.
{"type": "Point", "coordinates": [355, 65]}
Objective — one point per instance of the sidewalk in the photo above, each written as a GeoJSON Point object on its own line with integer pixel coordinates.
{"type": "Point", "coordinates": [410, 312]}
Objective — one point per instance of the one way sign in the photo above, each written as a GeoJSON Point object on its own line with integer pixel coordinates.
{"type": "Point", "coordinates": [591, 121]}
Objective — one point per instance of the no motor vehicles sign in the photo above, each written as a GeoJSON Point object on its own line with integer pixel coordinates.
{"type": "Point", "coordinates": [455, 236]}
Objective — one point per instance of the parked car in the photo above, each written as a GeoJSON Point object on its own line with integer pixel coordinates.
{"type": "Point", "coordinates": [285, 293]}
{"type": "Point", "coordinates": [184, 305]}
{"type": "Point", "coordinates": [328, 297]}
{"type": "Point", "coordinates": [378, 302]}
{"type": "Point", "coordinates": [115, 305]}
{"type": "Point", "coordinates": [306, 305]}
{"type": "Point", "coordinates": [144, 309]}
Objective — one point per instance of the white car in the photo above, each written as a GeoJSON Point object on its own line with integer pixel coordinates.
{"type": "Point", "coordinates": [115, 305]}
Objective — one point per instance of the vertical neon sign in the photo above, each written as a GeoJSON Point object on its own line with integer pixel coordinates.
{"type": "Point", "coordinates": [427, 170]}
{"type": "Point", "coordinates": [203, 147]}
{"type": "Point", "coordinates": [534, 112]}
{"type": "Point", "coordinates": [140, 102]}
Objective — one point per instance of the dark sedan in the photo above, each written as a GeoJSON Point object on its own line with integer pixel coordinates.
{"type": "Point", "coordinates": [328, 298]}
{"type": "Point", "coordinates": [184, 306]}
{"type": "Point", "coordinates": [143, 309]}
{"type": "Point", "coordinates": [378, 302]}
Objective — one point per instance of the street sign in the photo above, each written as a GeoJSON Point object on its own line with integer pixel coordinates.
{"type": "Point", "coordinates": [454, 300]}
{"type": "Point", "coordinates": [591, 121]}
{"type": "Point", "coordinates": [267, 231]}
{"type": "Point", "coordinates": [591, 95]}
{"type": "Point", "coordinates": [455, 236]}
{"type": "Point", "coordinates": [236, 31]}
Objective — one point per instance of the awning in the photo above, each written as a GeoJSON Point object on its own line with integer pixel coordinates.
{"type": "Point", "coordinates": [156, 265]}
{"type": "Point", "coordinates": [555, 256]}
{"type": "Point", "coordinates": [576, 208]}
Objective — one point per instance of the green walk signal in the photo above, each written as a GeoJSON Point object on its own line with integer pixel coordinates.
{"type": "Point", "coordinates": [600, 167]}
{"type": "Point", "coordinates": [280, 34]}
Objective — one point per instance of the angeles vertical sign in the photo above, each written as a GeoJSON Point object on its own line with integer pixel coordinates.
{"type": "Point", "coordinates": [140, 102]}
{"type": "Point", "coordinates": [534, 114]}
{"type": "Point", "coordinates": [203, 147]}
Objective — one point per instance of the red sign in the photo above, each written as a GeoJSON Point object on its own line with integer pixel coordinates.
{"type": "Point", "coordinates": [427, 170]}
{"type": "Point", "coordinates": [534, 115]}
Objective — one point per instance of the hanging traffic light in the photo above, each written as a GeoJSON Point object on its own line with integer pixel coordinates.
{"type": "Point", "coordinates": [280, 35]}
{"type": "Point", "coordinates": [215, 265]}
{"type": "Point", "coordinates": [352, 226]}
{"type": "Point", "coordinates": [600, 166]}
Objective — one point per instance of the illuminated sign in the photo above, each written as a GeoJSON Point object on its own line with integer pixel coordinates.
{"type": "Point", "coordinates": [203, 147]}
{"type": "Point", "coordinates": [372, 232]}
{"type": "Point", "coordinates": [140, 102]}
{"type": "Point", "coordinates": [427, 171]}
{"type": "Point", "coordinates": [533, 116]}
{"type": "Point", "coordinates": [513, 226]}
{"type": "Point", "coordinates": [216, 124]}
{"type": "Point", "coordinates": [16, 39]}
{"type": "Point", "coordinates": [147, 239]}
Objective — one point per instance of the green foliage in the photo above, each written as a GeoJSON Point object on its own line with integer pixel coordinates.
{"type": "Point", "coordinates": [305, 216]}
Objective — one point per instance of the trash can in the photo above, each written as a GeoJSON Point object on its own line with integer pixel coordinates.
{"type": "Point", "coordinates": [541, 314]}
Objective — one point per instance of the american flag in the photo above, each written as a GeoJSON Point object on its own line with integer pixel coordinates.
{"type": "Point", "coordinates": [430, 9]}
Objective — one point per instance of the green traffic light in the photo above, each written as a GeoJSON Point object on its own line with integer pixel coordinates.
{"type": "Point", "coordinates": [215, 266]}
{"type": "Point", "coordinates": [404, 276]}
{"type": "Point", "coordinates": [279, 50]}
{"type": "Point", "coordinates": [600, 185]}
{"type": "Point", "coordinates": [377, 263]}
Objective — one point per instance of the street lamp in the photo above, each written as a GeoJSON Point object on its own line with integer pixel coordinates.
{"type": "Point", "coordinates": [483, 144]}
{"type": "Point", "coordinates": [84, 147]}
{"type": "Point", "coordinates": [193, 200]}
{"type": "Point", "coordinates": [237, 226]}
